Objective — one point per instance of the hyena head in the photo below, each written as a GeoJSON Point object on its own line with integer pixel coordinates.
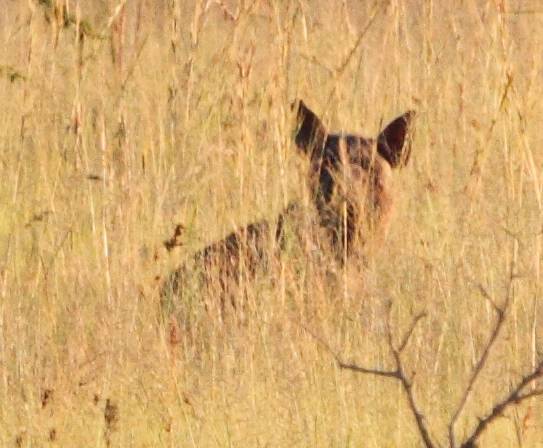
{"type": "Point", "coordinates": [350, 175]}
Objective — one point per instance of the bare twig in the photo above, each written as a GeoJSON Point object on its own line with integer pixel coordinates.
{"type": "Point", "coordinates": [514, 397]}
{"type": "Point", "coordinates": [406, 383]}
{"type": "Point", "coordinates": [397, 373]}
{"type": "Point", "coordinates": [407, 386]}
{"type": "Point", "coordinates": [501, 313]}
{"type": "Point", "coordinates": [377, 372]}
{"type": "Point", "coordinates": [488, 297]}
{"type": "Point", "coordinates": [409, 332]}
{"type": "Point", "coordinates": [531, 394]}
{"type": "Point", "coordinates": [348, 366]}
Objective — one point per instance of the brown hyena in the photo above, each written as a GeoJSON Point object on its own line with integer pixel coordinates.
{"type": "Point", "coordinates": [350, 175]}
{"type": "Point", "coordinates": [350, 178]}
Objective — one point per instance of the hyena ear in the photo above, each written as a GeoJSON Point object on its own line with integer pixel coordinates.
{"type": "Point", "coordinates": [393, 142]}
{"type": "Point", "coordinates": [311, 133]}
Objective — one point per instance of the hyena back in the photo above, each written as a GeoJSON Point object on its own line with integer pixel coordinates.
{"type": "Point", "coordinates": [221, 264]}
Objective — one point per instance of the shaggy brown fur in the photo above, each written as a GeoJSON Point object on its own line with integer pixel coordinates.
{"type": "Point", "coordinates": [243, 251]}
{"type": "Point", "coordinates": [351, 176]}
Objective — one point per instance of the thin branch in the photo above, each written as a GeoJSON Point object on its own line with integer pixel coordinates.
{"type": "Point", "coordinates": [353, 367]}
{"type": "Point", "coordinates": [501, 314]}
{"type": "Point", "coordinates": [532, 394]}
{"type": "Point", "coordinates": [321, 342]}
{"type": "Point", "coordinates": [398, 373]}
{"type": "Point", "coordinates": [488, 297]}
{"type": "Point", "coordinates": [419, 417]}
{"type": "Point", "coordinates": [515, 397]}
{"type": "Point", "coordinates": [409, 332]}
{"type": "Point", "coordinates": [406, 383]}
{"type": "Point", "coordinates": [377, 372]}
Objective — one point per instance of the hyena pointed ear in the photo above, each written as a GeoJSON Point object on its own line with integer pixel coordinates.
{"type": "Point", "coordinates": [311, 133]}
{"type": "Point", "coordinates": [393, 143]}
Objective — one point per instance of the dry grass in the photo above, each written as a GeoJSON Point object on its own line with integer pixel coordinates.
{"type": "Point", "coordinates": [117, 123]}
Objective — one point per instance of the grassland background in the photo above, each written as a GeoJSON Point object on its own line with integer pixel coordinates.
{"type": "Point", "coordinates": [116, 124]}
